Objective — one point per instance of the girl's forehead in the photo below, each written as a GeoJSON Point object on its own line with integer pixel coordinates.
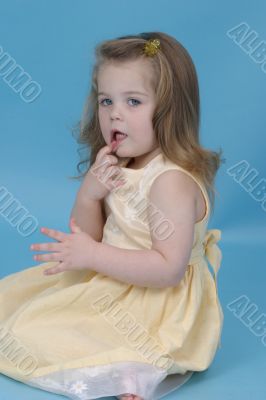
{"type": "Point", "coordinates": [133, 71]}
{"type": "Point", "coordinates": [136, 68]}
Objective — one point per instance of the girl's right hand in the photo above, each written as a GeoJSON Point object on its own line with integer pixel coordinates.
{"type": "Point", "coordinates": [103, 176]}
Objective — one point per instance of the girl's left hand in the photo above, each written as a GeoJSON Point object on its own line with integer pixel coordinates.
{"type": "Point", "coordinates": [73, 253]}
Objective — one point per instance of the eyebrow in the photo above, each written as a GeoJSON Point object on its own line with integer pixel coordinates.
{"type": "Point", "coordinates": [128, 92]}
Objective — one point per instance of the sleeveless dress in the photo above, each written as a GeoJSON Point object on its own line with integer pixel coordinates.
{"type": "Point", "coordinates": [85, 335]}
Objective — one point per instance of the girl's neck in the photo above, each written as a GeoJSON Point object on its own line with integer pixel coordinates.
{"type": "Point", "coordinates": [141, 161]}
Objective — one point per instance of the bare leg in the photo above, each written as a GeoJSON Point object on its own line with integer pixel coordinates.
{"type": "Point", "coordinates": [128, 396]}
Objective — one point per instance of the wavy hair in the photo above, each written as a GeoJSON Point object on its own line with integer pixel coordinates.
{"type": "Point", "coordinates": [176, 117]}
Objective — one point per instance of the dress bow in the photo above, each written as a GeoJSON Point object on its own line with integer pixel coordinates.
{"type": "Point", "coordinates": [212, 251]}
{"type": "Point", "coordinates": [214, 256]}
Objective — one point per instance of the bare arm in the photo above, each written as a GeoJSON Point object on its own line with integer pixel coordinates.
{"type": "Point", "coordinates": [88, 209]}
{"type": "Point", "coordinates": [146, 268]}
{"type": "Point", "coordinates": [89, 215]}
{"type": "Point", "coordinates": [175, 194]}
{"type": "Point", "coordinates": [164, 265]}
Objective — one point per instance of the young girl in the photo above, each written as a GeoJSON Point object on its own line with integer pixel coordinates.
{"type": "Point", "coordinates": [125, 305]}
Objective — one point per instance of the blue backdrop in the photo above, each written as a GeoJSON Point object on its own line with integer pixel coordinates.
{"type": "Point", "coordinates": [53, 43]}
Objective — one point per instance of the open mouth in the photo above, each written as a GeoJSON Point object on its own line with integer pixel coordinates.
{"type": "Point", "coordinates": [117, 137]}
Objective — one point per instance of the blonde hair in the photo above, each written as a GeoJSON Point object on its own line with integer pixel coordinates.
{"type": "Point", "coordinates": [177, 112]}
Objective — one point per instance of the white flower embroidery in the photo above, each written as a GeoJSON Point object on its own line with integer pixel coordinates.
{"type": "Point", "coordinates": [130, 214]}
{"type": "Point", "coordinates": [78, 387]}
{"type": "Point", "coordinates": [143, 180]}
{"type": "Point", "coordinates": [135, 210]}
{"type": "Point", "coordinates": [114, 228]}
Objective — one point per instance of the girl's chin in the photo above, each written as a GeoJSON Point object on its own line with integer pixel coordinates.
{"type": "Point", "coordinates": [120, 150]}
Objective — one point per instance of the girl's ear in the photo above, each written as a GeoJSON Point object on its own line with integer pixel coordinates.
{"type": "Point", "coordinates": [73, 226]}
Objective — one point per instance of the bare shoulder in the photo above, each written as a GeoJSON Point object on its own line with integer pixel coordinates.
{"type": "Point", "coordinates": [174, 195]}
{"type": "Point", "coordinates": [180, 191]}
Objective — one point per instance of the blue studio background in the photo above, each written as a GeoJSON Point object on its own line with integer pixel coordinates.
{"type": "Point", "coordinates": [53, 41]}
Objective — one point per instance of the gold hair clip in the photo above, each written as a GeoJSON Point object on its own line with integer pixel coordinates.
{"type": "Point", "coordinates": [151, 47]}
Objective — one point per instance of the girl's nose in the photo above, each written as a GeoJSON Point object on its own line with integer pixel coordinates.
{"type": "Point", "coordinates": [115, 113]}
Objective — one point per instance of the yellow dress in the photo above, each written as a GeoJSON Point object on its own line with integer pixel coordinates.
{"type": "Point", "coordinates": [85, 335]}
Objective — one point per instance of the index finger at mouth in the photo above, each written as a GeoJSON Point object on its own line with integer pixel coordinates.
{"type": "Point", "coordinates": [103, 151]}
{"type": "Point", "coordinates": [108, 150]}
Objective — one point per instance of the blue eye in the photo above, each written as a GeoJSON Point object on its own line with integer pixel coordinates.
{"type": "Point", "coordinates": [135, 100]}
{"type": "Point", "coordinates": [103, 100]}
